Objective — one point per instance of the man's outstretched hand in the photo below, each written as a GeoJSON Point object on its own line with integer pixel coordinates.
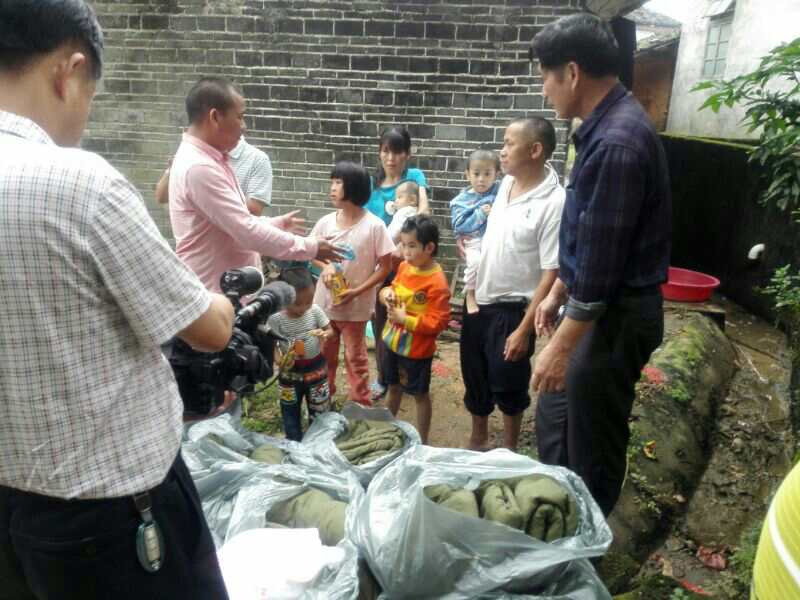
{"type": "Point", "coordinates": [328, 252]}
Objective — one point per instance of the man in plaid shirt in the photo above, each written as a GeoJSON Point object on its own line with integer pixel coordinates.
{"type": "Point", "coordinates": [614, 247]}
{"type": "Point", "coordinates": [90, 416]}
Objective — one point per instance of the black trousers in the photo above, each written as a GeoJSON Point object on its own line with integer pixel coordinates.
{"type": "Point", "coordinates": [54, 549]}
{"type": "Point", "coordinates": [585, 428]}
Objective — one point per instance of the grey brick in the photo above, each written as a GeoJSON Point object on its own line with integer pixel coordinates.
{"type": "Point", "coordinates": [312, 94]}
{"type": "Point", "coordinates": [351, 28]}
{"type": "Point", "coordinates": [471, 32]}
{"type": "Point", "coordinates": [334, 127]}
{"type": "Point", "coordinates": [380, 28]}
{"type": "Point", "coordinates": [380, 97]}
{"type": "Point", "coordinates": [529, 101]}
{"type": "Point", "coordinates": [248, 59]}
{"type": "Point", "coordinates": [364, 63]}
{"type": "Point", "coordinates": [336, 61]}
{"type": "Point", "coordinates": [448, 65]}
{"type": "Point", "coordinates": [295, 125]}
{"type": "Point", "coordinates": [451, 132]}
{"type": "Point", "coordinates": [363, 129]}
{"type": "Point", "coordinates": [497, 101]}
{"type": "Point", "coordinates": [410, 29]}
{"type": "Point", "coordinates": [289, 26]}
{"type": "Point", "coordinates": [240, 24]}
{"type": "Point", "coordinates": [208, 23]}
{"type": "Point", "coordinates": [155, 21]}
{"type": "Point", "coordinates": [442, 31]}
{"type": "Point", "coordinates": [395, 63]}
{"type": "Point", "coordinates": [318, 27]}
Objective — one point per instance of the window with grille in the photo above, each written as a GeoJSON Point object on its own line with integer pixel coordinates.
{"type": "Point", "coordinates": [719, 35]}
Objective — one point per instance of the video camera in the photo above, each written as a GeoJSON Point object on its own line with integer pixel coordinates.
{"type": "Point", "coordinates": [203, 377]}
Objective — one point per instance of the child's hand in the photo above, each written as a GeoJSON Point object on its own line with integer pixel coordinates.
{"type": "Point", "coordinates": [389, 297]}
{"type": "Point", "coordinates": [397, 313]}
{"type": "Point", "coordinates": [486, 208]}
{"type": "Point", "coordinates": [347, 295]}
{"type": "Point", "coordinates": [322, 334]}
{"type": "Point", "coordinates": [327, 274]}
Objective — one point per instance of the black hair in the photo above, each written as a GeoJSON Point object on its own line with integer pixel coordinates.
{"type": "Point", "coordinates": [538, 129]}
{"type": "Point", "coordinates": [398, 140]}
{"type": "Point", "coordinates": [30, 28]}
{"type": "Point", "coordinates": [355, 179]}
{"type": "Point", "coordinates": [581, 38]}
{"type": "Point", "coordinates": [484, 155]}
{"type": "Point", "coordinates": [208, 93]}
{"type": "Point", "coordinates": [425, 228]}
{"type": "Point", "coordinates": [299, 278]}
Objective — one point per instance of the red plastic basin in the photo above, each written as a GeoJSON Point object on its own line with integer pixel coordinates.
{"type": "Point", "coordinates": [684, 285]}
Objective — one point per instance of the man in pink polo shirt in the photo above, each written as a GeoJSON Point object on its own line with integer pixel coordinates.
{"type": "Point", "coordinates": [213, 229]}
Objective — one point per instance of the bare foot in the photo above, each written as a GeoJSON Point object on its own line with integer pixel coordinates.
{"type": "Point", "coordinates": [478, 447]}
{"type": "Point", "coordinates": [472, 305]}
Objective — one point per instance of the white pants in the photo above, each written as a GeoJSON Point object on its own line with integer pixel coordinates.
{"type": "Point", "coordinates": [472, 250]}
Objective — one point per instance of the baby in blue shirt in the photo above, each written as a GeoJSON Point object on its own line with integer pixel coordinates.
{"type": "Point", "coordinates": [469, 212]}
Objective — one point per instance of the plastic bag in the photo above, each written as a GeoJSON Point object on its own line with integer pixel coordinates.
{"type": "Point", "coordinates": [418, 549]}
{"type": "Point", "coordinates": [236, 492]}
{"type": "Point", "coordinates": [320, 441]}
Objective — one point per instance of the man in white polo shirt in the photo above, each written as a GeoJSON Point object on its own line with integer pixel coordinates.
{"type": "Point", "coordinates": [253, 171]}
{"type": "Point", "coordinates": [519, 263]}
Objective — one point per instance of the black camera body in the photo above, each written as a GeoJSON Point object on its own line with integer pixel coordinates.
{"type": "Point", "coordinates": [204, 377]}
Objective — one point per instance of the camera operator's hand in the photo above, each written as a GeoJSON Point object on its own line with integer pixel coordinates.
{"type": "Point", "coordinates": [212, 330]}
{"type": "Point", "coordinates": [328, 251]}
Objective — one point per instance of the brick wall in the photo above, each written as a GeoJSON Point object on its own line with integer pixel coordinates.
{"type": "Point", "coordinates": [322, 78]}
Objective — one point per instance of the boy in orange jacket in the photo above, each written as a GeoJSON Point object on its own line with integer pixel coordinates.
{"type": "Point", "coordinates": [418, 307]}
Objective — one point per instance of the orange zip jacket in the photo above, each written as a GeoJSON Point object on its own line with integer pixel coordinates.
{"type": "Point", "coordinates": [426, 296]}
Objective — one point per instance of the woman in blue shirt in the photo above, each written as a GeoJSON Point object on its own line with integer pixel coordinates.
{"type": "Point", "coordinates": [394, 152]}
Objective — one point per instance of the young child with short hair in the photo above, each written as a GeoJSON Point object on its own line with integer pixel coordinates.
{"type": "Point", "coordinates": [347, 290]}
{"type": "Point", "coordinates": [469, 212]}
{"type": "Point", "coordinates": [402, 207]}
{"type": "Point", "coordinates": [418, 307]}
{"type": "Point", "coordinates": [304, 373]}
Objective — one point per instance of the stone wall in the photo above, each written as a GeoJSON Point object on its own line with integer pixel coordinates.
{"type": "Point", "coordinates": [322, 78]}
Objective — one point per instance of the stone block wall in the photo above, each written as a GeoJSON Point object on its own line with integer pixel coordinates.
{"type": "Point", "coordinates": [322, 78]}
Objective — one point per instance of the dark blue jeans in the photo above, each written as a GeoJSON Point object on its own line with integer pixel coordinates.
{"type": "Point", "coordinates": [317, 395]}
{"type": "Point", "coordinates": [54, 549]}
{"type": "Point", "coordinates": [585, 428]}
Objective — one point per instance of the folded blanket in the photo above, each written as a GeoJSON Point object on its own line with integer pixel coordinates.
{"type": "Point", "coordinates": [536, 504]}
{"type": "Point", "coordinates": [267, 454]}
{"type": "Point", "coordinates": [313, 508]}
{"type": "Point", "coordinates": [459, 500]}
{"type": "Point", "coordinates": [499, 504]}
{"type": "Point", "coordinates": [549, 511]}
{"type": "Point", "coordinates": [365, 441]}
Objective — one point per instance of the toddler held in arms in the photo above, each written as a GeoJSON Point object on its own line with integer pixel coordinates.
{"type": "Point", "coordinates": [402, 207]}
{"type": "Point", "coordinates": [469, 212]}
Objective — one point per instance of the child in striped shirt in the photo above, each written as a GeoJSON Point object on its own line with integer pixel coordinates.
{"type": "Point", "coordinates": [304, 373]}
{"type": "Point", "coordinates": [418, 307]}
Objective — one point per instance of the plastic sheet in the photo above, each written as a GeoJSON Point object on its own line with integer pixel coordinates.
{"type": "Point", "coordinates": [320, 441]}
{"type": "Point", "coordinates": [236, 492]}
{"type": "Point", "coordinates": [418, 549]}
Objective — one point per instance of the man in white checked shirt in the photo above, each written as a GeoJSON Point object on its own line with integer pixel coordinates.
{"type": "Point", "coordinates": [90, 416]}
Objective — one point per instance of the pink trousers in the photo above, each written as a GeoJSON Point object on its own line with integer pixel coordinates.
{"type": "Point", "coordinates": [356, 362]}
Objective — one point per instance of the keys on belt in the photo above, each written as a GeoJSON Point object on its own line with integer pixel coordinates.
{"type": "Point", "coordinates": [149, 540]}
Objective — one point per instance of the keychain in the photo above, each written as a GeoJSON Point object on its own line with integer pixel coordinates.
{"type": "Point", "coordinates": [149, 541]}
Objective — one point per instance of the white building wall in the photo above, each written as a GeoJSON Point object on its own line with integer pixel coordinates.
{"type": "Point", "coordinates": [758, 26]}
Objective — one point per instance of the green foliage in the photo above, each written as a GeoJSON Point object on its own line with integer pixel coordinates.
{"type": "Point", "coordinates": [777, 112]}
{"type": "Point", "coordinates": [680, 594]}
{"type": "Point", "coordinates": [784, 287]}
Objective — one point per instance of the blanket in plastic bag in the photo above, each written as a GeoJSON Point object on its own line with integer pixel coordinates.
{"type": "Point", "coordinates": [417, 548]}
{"type": "Point", "coordinates": [320, 441]}
{"type": "Point", "coordinates": [239, 494]}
